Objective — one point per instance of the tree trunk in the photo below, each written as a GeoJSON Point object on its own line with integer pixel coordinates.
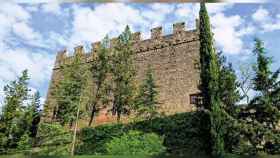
{"type": "Point", "coordinates": [94, 110]}
{"type": "Point", "coordinates": [75, 130]}
{"type": "Point", "coordinates": [92, 116]}
{"type": "Point", "coordinates": [118, 117]}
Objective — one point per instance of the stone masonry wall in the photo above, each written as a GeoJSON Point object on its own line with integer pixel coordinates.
{"type": "Point", "coordinates": [174, 59]}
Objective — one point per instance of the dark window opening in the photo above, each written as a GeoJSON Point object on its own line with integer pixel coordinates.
{"type": "Point", "coordinates": [196, 99]}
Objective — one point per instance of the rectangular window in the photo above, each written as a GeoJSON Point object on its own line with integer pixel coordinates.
{"type": "Point", "coordinates": [196, 99]}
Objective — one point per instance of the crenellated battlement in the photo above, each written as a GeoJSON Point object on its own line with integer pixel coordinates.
{"type": "Point", "coordinates": [156, 41]}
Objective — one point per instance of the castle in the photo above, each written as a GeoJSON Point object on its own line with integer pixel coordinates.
{"type": "Point", "coordinates": [174, 59]}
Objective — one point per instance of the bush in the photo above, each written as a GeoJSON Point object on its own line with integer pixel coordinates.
{"type": "Point", "coordinates": [53, 139]}
{"type": "Point", "coordinates": [25, 142]}
{"type": "Point", "coordinates": [136, 142]}
{"type": "Point", "coordinates": [180, 131]}
{"type": "Point", "coordinates": [93, 140]}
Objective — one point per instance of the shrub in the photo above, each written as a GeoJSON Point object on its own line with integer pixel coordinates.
{"type": "Point", "coordinates": [53, 139]}
{"type": "Point", "coordinates": [25, 142]}
{"type": "Point", "coordinates": [93, 140]}
{"type": "Point", "coordinates": [136, 142]}
{"type": "Point", "coordinates": [180, 131]}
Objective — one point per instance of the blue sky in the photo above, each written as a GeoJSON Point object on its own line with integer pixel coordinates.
{"type": "Point", "coordinates": [32, 33]}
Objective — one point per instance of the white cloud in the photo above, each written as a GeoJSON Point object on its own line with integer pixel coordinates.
{"type": "Point", "coordinates": [15, 27]}
{"type": "Point", "coordinates": [225, 33]}
{"type": "Point", "coordinates": [265, 20]}
{"type": "Point", "coordinates": [26, 32]}
{"type": "Point", "coordinates": [14, 61]}
{"type": "Point", "coordinates": [228, 30]}
{"type": "Point", "coordinates": [92, 24]}
{"type": "Point", "coordinates": [261, 15]}
{"type": "Point", "coordinates": [52, 7]}
{"type": "Point", "coordinates": [214, 8]}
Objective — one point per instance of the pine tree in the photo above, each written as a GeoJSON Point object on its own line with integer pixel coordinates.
{"type": "Point", "coordinates": [266, 104]}
{"type": "Point", "coordinates": [16, 93]}
{"type": "Point", "coordinates": [146, 100]}
{"type": "Point", "coordinates": [69, 91]}
{"type": "Point", "coordinates": [210, 84]}
{"type": "Point", "coordinates": [229, 85]}
{"type": "Point", "coordinates": [100, 70]}
{"type": "Point", "coordinates": [33, 114]}
{"type": "Point", "coordinates": [123, 75]}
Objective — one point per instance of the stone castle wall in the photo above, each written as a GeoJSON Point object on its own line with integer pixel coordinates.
{"type": "Point", "coordinates": [174, 59]}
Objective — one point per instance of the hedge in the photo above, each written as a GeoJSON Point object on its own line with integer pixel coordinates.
{"type": "Point", "coordinates": [180, 131]}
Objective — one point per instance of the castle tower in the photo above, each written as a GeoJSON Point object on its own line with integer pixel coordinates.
{"type": "Point", "coordinates": [174, 59]}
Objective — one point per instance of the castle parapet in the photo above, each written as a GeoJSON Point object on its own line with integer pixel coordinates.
{"type": "Point", "coordinates": [136, 37]}
{"type": "Point", "coordinates": [178, 28]}
{"type": "Point", "coordinates": [156, 33]}
{"type": "Point", "coordinates": [79, 50]}
{"type": "Point", "coordinates": [95, 46]}
{"type": "Point", "coordinates": [60, 57]}
{"type": "Point", "coordinates": [156, 41]}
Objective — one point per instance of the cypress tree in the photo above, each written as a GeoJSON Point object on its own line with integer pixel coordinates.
{"type": "Point", "coordinates": [210, 84]}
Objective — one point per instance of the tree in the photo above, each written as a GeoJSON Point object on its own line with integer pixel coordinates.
{"type": "Point", "coordinates": [229, 85]}
{"type": "Point", "coordinates": [245, 81]}
{"type": "Point", "coordinates": [210, 84]}
{"type": "Point", "coordinates": [54, 139]}
{"type": "Point", "coordinates": [31, 116]}
{"type": "Point", "coordinates": [16, 93]}
{"type": "Point", "coordinates": [123, 73]}
{"type": "Point", "coordinates": [69, 90]}
{"type": "Point", "coordinates": [267, 84]}
{"type": "Point", "coordinates": [146, 101]}
{"type": "Point", "coordinates": [36, 114]}
{"type": "Point", "coordinates": [100, 70]}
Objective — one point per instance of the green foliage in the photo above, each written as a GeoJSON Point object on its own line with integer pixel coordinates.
{"type": "Point", "coordinates": [229, 85]}
{"type": "Point", "coordinates": [181, 133]}
{"type": "Point", "coordinates": [210, 86]}
{"type": "Point", "coordinates": [123, 75]}
{"type": "Point", "coordinates": [53, 139]}
{"type": "Point", "coordinates": [93, 140]}
{"type": "Point", "coordinates": [69, 90]}
{"type": "Point", "coordinates": [135, 142]}
{"type": "Point", "coordinates": [25, 143]}
{"type": "Point", "coordinates": [33, 114]}
{"type": "Point", "coordinates": [146, 100]}
{"type": "Point", "coordinates": [267, 84]}
{"type": "Point", "coordinates": [100, 70]}
{"type": "Point", "coordinates": [260, 118]}
{"type": "Point", "coordinates": [16, 94]}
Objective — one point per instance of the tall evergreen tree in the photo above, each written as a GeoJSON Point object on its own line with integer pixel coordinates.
{"type": "Point", "coordinates": [210, 84]}
{"type": "Point", "coordinates": [123, 75]}
{"type": "Point", "coordinates": [146, 100]}
{"type": "Point", "coordinates": [16, 94]}
{"type": "Point", "coordinates": [69, 90]}
{"type": "Point", "coordinates": [229, 85]}
{"type": "Point", "coordinates": [266, 83]}
{"type": "Point", "coordinates": [100, 70]}
{"type": "Point", "coordinates": [33, 114]}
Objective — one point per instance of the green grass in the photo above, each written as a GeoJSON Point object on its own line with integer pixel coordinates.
{"type": "Point", "coordinates": [131, 156]}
